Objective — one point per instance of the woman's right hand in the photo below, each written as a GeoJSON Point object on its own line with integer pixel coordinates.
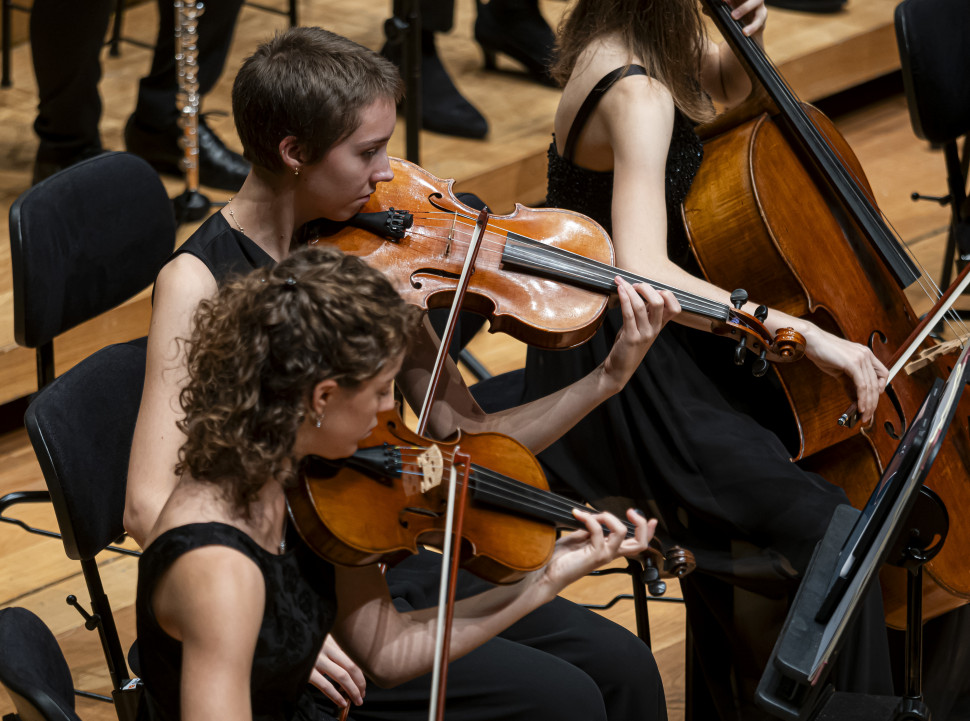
{"type": "Point", "coordinates": [335, 666]}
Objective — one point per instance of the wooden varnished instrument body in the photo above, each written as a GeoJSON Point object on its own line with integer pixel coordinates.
{"type": "Point", "coordinates": [756, 207]}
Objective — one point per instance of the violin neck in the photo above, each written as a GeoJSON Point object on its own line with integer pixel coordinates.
{"type": "Point", "coordinates": [816, 150]}
{"type": "Point", "coordinates": [527, 255]}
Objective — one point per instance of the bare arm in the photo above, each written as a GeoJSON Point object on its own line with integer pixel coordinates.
{"type": "Point", "coordinates": [181, 285]}
{"type": "Point", "coordinates": [393, 647]}
{"type": "Point", "coordinates": [722, 75]}
{"type": "Point", "coordinates": [212, 600]}
{"type": "Point", "coordinates": [639, 126]}
{"type": "Point", "coordinates": [541, 422]}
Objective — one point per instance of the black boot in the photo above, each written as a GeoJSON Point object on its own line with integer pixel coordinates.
{"type": "Point", "coordinates": [219, 167]}
{"type": "Point", "coordinates": [50, 161]}
{"type": "Point", "coordinates": [809, 6]}
{"type": "Point", "coordinates": [516, 28]}
{"type": "Point", "coordinates": [443, 109]}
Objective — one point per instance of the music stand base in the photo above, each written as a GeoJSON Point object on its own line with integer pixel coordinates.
{"type": "Point", "coordinates": [862, 707]}
{"type": "Point", "coordinates": [190, 205]}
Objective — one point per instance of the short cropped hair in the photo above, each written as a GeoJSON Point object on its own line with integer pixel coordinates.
{"type": "Point", "coordinates": [309, 83]}
{"type": "Point", "coordinates": [259, 348]}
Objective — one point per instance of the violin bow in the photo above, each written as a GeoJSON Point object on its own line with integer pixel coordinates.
{"type": "Point", "coordinates": [454, 518]}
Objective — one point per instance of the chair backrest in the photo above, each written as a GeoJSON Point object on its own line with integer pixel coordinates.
{"type": "Point", "coordinates": [85, 240]}
{"type": "Point", "coordinates": [33, 669]}
{"type": "Point", "coordinates": [81, 426]}
{"type": "Point", "coordinates": [934, 47]}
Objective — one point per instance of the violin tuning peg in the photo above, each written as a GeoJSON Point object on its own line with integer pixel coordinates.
{"type": "Point", "coordinates": [761, 312]}
{"type": "Point", "coordinates": [741, 351]}
{"type": "Point", "coordinates": [760, 366]}
{"type": "Point", "coordinates": [739, 297]}
{"type": "Point", "coordinates": [657, 588]}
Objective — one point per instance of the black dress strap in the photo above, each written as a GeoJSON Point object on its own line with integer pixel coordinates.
{"type": "Point", "coordinates": [591, 101]}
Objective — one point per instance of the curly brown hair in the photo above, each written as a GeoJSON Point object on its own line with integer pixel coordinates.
{"type": "Point", "coordinates": [668, 35]}
{"type": "Point", "coordinates": [261, 345]}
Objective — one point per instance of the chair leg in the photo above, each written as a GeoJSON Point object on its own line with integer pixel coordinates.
{"type": "Point", "coordinates": [5, 41]}
{"type": "Point", "coordinates": [640, 601]}
{"type": "Point", "coordinates": [293, 19]}
{"type": "Point", "coordinates": [115, 44]}
{"type": "Point", "coordinates": [110, 642]}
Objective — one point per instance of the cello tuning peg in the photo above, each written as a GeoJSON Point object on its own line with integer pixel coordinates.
{"type": "Point", "coordinates": [741, 351]}
{"type": "Point", "coordinates": [761, 312]}
{"type": "Point", "coordinates": [739, 297]}
{"type": "Point", "coordinates": [760, 366]}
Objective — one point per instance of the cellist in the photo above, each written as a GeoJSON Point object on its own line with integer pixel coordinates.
{"type": "Point", "coordinates": [636, 78]}
{"type": "Point", "coordinates": [314, 113]}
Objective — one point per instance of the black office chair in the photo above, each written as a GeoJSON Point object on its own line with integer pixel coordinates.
{"type": "Point", "coordinates": [934, 47]}
{"type": "Point", "coordinates": [506, 390]}
{"type": "Point", "coordinates": [82, 242]}
{"type": "Point", "coordinates": [33, 669]}
{"type": "Point", "coordinates": [81, 427]}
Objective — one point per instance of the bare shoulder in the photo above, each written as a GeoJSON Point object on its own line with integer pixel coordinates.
{"type": "Point", "coordinates": [184, 279]}
{"type": "Point", "coordinates": [214, 592]}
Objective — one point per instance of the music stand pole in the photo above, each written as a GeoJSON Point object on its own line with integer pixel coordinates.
{"type": "Point", "coordinates": [407, 31]}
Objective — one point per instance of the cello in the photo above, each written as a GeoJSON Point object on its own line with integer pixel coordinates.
{"type": "Point", "coordinates": [810, 241]}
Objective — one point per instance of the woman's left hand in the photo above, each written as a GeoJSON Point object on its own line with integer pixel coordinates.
{"type": "Point", "coordinates": [864, 375]}
{"type": "Point", "coordinates": [752, 14]}
{"type": "Point", "coordinates": [582, 551]}
{"type": "Point", "coordinates": [645, 312]}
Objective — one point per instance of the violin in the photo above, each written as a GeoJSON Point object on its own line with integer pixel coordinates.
{"type": "Point", "coordinates": [543, 275]}
{"type": "Point", "coordinates": [816, 246]}
{"type": "Point", "coordinates": [388, 498]}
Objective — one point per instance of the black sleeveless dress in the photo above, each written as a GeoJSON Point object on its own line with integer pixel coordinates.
{"type": "Point", "coordinates": [300, 609]}
{"type": "Point", "coordinates": [675, 441]}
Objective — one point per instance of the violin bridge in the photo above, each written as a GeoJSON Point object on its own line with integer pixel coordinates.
{"type": "Point", "coordinates": [432, 467]}
{"type": "Point", "coordinates": [451, 235]}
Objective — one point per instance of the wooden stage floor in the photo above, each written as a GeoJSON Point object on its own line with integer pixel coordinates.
{"type": "Point", "coordinates": [820, 55]}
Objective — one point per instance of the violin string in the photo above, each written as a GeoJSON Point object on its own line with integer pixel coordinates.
{"type": "Point", "coordinates": [594, 272]}
{"type": "Point", "coordinates": [511, 490]}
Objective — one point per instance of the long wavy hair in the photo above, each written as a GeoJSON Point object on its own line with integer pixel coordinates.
{"type": "Point", "coordinates": [668, 35]}
{"type": "Point", "coordinates": [259, 348]}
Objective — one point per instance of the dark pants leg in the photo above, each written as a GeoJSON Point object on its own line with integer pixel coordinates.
{"type": "Point", "coordinates": [560, 662]}
{"type": "Point", "coordinates": [437, 16]}
{"type": "Point", "coordinates": [66, 37]}
{"type": "Point", "coordinates": [156, 109]}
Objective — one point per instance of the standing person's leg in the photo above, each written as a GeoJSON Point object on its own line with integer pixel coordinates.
{"type": "Point", "coordinates": [443, 108]}
{"type": "Point", "coordinates": [152, 131]}
{"type": "Point", "coordinates": [66, 38]}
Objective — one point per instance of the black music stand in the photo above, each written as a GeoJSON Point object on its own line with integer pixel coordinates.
{"type": "Point", "coordinates": [901, 518]}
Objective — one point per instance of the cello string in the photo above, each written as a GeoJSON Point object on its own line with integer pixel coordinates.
{"type": "Point", "coordinates": [926, 281]}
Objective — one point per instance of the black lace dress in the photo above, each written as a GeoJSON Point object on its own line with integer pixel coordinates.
{"type": "Point", "coordinates": [675, 443]}
{"type": "Point", "coordinates": [300, 609]}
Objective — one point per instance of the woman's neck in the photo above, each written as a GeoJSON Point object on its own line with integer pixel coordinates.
{"type": "Point", "coordinates": [265, 212]}
{"type": "Point", "coordinates": [195, 501]}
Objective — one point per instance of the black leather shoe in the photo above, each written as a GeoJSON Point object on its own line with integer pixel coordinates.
{"type": "Point", "coordinates": [516, 28]}
{"type": "Point", "coordinates": [49, 162]}
{"type": "Point", "coordinates": [219, 167]}
{"type": "Point", "coordinates": [443, 109]}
